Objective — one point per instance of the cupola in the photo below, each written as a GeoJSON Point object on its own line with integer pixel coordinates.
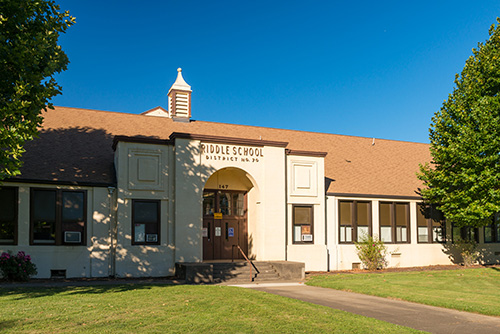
{"type": "Point", "coordinates": [179, 99]}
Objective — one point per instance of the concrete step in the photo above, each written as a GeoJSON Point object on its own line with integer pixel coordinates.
{"type": "Point", "coordinates": [240, 272]}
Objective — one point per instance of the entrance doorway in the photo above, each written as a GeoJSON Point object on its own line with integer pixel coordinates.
{"type": "Point", "coordinates": [224, 224]}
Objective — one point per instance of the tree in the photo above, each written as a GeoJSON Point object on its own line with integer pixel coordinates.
{"type": "Point", "coordinates": [463, 178]}
{"type": "Point", "coordinates": [29, 57]}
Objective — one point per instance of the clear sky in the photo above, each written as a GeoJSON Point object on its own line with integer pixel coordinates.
{"type": "Point", "coordinates": [364, 68]}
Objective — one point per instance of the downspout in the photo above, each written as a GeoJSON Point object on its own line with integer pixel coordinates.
{"type": "Point", "coordinates": [286, 207]}
{"type": "Point", "coordinates": [326, 236]}
{"type": "Point", "coordinates": [112, 233]}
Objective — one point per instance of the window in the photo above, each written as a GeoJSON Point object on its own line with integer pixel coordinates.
{"type": "Point", "coordinates": [492, 232]}
{"type": "Point", "coordinates": [430, 224]}
{"type": "Point", "coordinates": [145, 222]}
{"type": "Point", "coordinates": [465, 233]}
{"type": "Point", "coordinates": [302, 224]}
{"type": "Point", "coordinates": [58, 217]}
{"type": "Point", "coordinates": [394, 222]}
{"type": "Point", "coordinates": [355, 220]}
{"type": "Point", "coordinates": [8, 215]}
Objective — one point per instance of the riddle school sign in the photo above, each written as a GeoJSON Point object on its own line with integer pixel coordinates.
{"type": "Point", "coordinates": [231, 152]}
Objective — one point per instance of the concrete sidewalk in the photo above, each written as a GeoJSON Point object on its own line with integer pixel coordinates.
{"type": "Point", "coordinates": [422, 317]}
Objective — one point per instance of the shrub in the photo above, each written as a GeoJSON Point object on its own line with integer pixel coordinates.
{"type": "Point", "coordinates": [468, 251]}
{"type": "Point", "coordinates": [372, 252]}
{"type": "Point", "coordinates": [18, 267]}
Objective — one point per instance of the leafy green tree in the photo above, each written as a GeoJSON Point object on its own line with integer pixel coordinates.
{"type": "Point", "coordinates": [463, 178]}
{"type": "Point", "coordinates": [29, 58]}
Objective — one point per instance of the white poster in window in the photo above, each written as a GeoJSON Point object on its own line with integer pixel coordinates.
{"type": "Point", "coordinates": [140, 233]}
{"type": "Point", "coordinates": [204, 232]}
{"type": "Point", "coordinates": [297, 233]}
{"type": "Point", "coordinates": [218, 231]}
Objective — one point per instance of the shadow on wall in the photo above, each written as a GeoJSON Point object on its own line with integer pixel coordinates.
{"type": "Point", "coordinates": [190, 178]}
{"type": "Point", "coordinates": [485, 255]}
{"type": "Point", "coordinates": [72, 154]}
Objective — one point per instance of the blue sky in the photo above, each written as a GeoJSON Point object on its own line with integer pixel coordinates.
{"type": "Point", "coordinates": [364, 68]}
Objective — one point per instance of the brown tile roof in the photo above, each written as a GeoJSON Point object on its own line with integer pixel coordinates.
{"type": "Point", "coordinates": [75, 145]}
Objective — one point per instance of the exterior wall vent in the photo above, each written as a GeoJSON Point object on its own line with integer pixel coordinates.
{"type": "Point", "coordinates": [58, 273]}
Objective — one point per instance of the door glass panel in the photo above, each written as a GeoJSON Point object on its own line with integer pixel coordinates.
{"type": "Point", "coordinates": [208, 204]}
{"type": "Point", "coordinates": [225, 205]}
{"type": "Point", "coordinates": [239, 200]}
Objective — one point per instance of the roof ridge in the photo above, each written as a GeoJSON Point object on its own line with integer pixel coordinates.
{"type": "Point", "coordinates": [255, 126]}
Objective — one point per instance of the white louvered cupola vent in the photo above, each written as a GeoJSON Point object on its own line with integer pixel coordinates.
{"type": "Point", "coordinates": [179, 99]}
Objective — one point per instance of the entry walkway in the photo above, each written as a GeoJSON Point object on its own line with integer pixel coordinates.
{"type": "Point", "coordinates": [422, 317]}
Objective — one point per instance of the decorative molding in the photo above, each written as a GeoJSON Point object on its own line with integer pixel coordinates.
{"type": "Point", "coordinates": [374, 196]}
{"type": "Point", "coordinates": [227, 140]}
{"type": "Point", "coordinates": [306, 153]}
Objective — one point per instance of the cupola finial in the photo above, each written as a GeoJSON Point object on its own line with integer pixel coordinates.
{"type": "Point", "coordinates": [179, 99]}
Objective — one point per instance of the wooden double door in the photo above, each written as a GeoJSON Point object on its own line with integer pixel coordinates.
{"type": "Point", "coordinates": [224, 224]}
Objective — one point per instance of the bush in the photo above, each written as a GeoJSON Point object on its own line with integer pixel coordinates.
{"type": "Point", "coordinates": [468, 251]}
{"type": "Point", "coordinates": [16, 268]}
{"type": "Point", "coordinates": [372, 252]}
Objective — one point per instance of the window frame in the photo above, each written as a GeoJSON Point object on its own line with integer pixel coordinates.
{"type": "Point", "coordinates": [16, 216]}
{"type": "Point", "coordinates": [465, 231]}
{"type": "Point", "coordinates": [311, 207]}
{"type": "Point", "coordinates": [158, 222]}
{"type": "Point", "coordinates": [393, 222]}
{"type": "Point", "coordinates": [495, 230]}
{"type": "Point", "coordinates": [59, 238]}
{"type": "Point", "coordinates": [354, 219]}
{"type": "Point", "coordinates": [430, 226]}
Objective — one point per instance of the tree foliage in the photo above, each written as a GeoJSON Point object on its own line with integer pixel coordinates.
{"type": "Point", "coordinates": [463, 178]}
{"type": "Point", "coordinates": [29, 57]}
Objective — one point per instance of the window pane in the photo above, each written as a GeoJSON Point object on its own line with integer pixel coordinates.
{"type": "Point", "coordinates": [7, 231]}
{"type": "Point", "coordinates": [302, 215]}
{"type": "Point", "coordinates": [345, 213]}
{"type": "Point", "coordinates": [456, 233]}
{"type": "Point", "coordinates": [363, 231]}
{"type": "Point", "coordinates": [421, 220]}
{"type": "Point", "coordinates": [488, 234]}
{"type": "Point", "coordinates": [8, 208]}
{"type": "Point", "coordinates": [44, 205]}
{"type": "Point", "coordinates": [44, 232]}
{"type": "Point", "coordinates": [208, 204]}
{"type": "Point", "coordinates": [8, 204]}
{"type": "Point", "coordinates": [401, 233]}
{"type": "Point", "coordinates": [145, 212]}
{"type": "Point", "coordinates": [364, 214]}
{"type": "Point", "coordinates": [498, 233]}
{"type": "Point", "coordinates": [385, 214]}
{"type": "Point", "coordinates": [386, 233]}
{"type": "Point", "coordinates": [401, 216]}
{"type": "Point", "coordinates": [423, 234]}
{"type": "Point", "coordinates": [438, 234]}
{"type": "Point", "coordinates": [72, 206]}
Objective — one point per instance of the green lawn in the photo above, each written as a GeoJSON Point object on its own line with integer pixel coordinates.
{"type": "Point", "coordinates": [472, 290]}
{"type": "Point", "coordinates": [172, 309]}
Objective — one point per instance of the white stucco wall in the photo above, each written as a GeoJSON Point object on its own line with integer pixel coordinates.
{"type": "Point", "coordinates": [90, 260]}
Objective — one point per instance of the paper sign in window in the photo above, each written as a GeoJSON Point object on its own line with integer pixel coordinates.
{"type": "Point", "coordinates": [140, 232]}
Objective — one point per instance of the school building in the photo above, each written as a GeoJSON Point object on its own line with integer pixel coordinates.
{"type": "Point", "coordinates": [114, 194]}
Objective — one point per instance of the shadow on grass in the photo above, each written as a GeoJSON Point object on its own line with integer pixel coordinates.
{"type": "Point", "coordinates": [32, 292]}
{"type": "Point", "coordinates": [7, 324]}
